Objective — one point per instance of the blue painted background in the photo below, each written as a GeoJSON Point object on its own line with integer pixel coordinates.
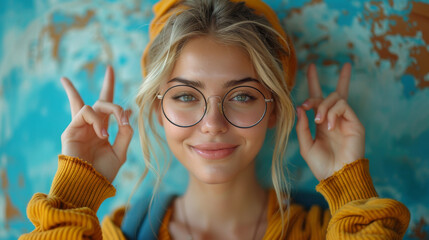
{"type": "Point", "coordinates": [386, 42]}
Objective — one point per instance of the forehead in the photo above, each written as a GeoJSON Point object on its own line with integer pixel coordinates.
{"type": "Point", "coordinates": [207, 60]}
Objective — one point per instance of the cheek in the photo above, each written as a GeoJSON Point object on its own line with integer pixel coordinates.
{"type": "Point", "coordinates": [173, 133]}
{"type": "Point", "coordinates": [176, 136]}
{"type": "Point", "coordinates": [255, 137]}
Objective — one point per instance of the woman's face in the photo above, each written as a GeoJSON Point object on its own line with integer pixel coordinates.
{"type": "Point", "coordinates": [214, 151]}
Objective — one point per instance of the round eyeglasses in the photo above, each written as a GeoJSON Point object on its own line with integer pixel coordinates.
{"type": "Point", "coordinates": [186, 106]}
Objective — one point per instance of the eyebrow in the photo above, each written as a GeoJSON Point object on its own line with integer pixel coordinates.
{"type": "Point", "coordinates": [199, 84]}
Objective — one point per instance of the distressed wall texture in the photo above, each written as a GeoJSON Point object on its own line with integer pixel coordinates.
{"type": "Point", "coordinates": [41, 40]}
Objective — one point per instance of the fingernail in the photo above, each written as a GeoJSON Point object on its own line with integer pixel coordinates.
{"type": "Point", "coordinates": [329, 126]}
{"type": "Point", "coordinates": [317, 119]}
{"type": "Point", "coordinates": [125, 120]}
{"type": "Point", "coordinates": [104, 132]}
{"type": "Point", "coordinates": [305, 104]}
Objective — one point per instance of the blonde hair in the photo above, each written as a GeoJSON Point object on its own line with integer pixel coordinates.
{"type": "Point", "coordinates": [229, 23]}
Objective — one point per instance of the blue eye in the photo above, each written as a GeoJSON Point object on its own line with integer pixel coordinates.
{"type": "Point", "coordinates": [241, 98]}
{"type": "Point", "coordinates": [185, 98]}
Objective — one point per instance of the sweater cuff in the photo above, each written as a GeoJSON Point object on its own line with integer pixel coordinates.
{"type": "Point", "coordinates": [352, 182]}
{"type": "Point", "coordinates": [79, 184]}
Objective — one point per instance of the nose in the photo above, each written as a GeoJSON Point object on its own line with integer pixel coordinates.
{"type": "Point", "coordinates": [214, 122]}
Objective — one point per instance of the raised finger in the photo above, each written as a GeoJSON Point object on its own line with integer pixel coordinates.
{"type": "Point", "coordinates": [123, 138]}
{"type": "Point", "coordinates": [76, 102]}
{"type": "Point", "coordinates": [107, 90]}
{"type": "Point", "coordinates": [303, 132]}
{"type": "Point", "coordinates": [313, 82]}
{"type": "Point", "coordinates": [344, 80]}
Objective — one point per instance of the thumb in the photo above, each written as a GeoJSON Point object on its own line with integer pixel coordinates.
{"type": "Point", "coordinates": [123, 138]}
{"type": "Point", "coordinates": [303, 132]}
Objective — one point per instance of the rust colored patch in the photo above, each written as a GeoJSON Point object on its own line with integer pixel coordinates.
{"type": "Point", "coordinates": [4, 180]}
{"type": "Point", "coordinates": [295, 11]}
{"type": "Point", "coordinates": [312, 57]}
{"type": "Point", "coordinates": [299, 11]}
{"type": "Point", "coordinates": [418, 23]}
{"type": "Point", "coordinates": [315, 44]}
{"type": "Point", "coordinates": [315, 2]}
{"type": "Point", "coordinates": [11, 211]}
{"type": "Point", "coordinates": [381, 46]}
{"type": "Point", "coordinates": [420, 67]}
{"type": "Point", "coordinates": [350, 45]}
{"type": "Point", "coordinates": [136, 8]}
{"type": "Point", "coordinates": [323, 27]}
{"type": "Point", "coordinates": [377, 63]}
{"type": "Point", "coordinates": [21, 181]}
{"type": "Point", "coordinates": [420, 18]}
{"type": "Point", "coordinates": [106, 46]}
{"type": "Point", "coordinates": [328, 62]}
{"type": "Point", "coordinates": [56, 31]}
{"type": "Point", "coordinates": [418, 230]}
{"type": "Point", "coordinates": [90, 68]}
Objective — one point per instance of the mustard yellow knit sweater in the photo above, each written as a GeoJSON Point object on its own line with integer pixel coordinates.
{"type": "Point", "coordinates": [69, 210]}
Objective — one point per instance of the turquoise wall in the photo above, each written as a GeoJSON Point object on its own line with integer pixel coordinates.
{"type": "Point", "coordinates": [386, 42]}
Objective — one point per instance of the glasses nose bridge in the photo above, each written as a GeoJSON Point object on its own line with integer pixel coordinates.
{"type": "Point", "coordinates": [219, 103]}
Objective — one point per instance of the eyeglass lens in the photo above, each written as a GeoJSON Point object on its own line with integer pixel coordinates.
{"type": "Point", "coordinates": [185, 106]}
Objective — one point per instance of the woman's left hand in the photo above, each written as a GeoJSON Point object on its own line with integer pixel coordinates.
{"type": "Point", "coordinates": [340, 136]}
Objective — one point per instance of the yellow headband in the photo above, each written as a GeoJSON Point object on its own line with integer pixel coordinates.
{"type": "Point", "coordinates": [162, 13]}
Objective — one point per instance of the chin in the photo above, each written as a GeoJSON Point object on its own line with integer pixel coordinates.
{"type": "Point", "coordinates": [214, 180]}
{"type": "Point", "coordinates": [214, 175]}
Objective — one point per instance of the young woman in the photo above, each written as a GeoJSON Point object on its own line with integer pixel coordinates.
{"type": "Point", "coordinates": [218, 74]}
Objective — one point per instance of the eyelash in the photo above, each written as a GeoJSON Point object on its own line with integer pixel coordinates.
{"type": "Point", "coordinates": [246, 95]}
{"type": "Point", "coordinates": [177, 98]}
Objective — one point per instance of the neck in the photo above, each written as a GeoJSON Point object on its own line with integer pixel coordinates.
{"type": "Point", "coordinates": [227, 205]}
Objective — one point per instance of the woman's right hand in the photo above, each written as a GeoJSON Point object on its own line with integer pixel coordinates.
{"type": "Point", "coordinates": [86, 136]}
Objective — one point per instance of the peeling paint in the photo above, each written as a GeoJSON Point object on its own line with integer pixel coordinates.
{"type": "Point", "coordinates": [418, 22]}
{"type": "Point", "coordinates": [4, 180]}
{"type": "Point", "coordinates": [56, 31]}
{"type": "Point", "coordinates": [420, 230]}
{"type": "Point", "coordinates": [419, 67]}
{"type": "Point", "coordinates": [21, 181]}
{"type": "Point", "coordinates": [75, 39]}
{"type": "Point", "coordinates": [90, 68]}
{"type": "Point", "coordinates": [11, 211]}
{"type": "Point", "coordinates": [328, 62]}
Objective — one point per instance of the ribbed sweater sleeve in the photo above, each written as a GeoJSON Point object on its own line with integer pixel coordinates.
{"type": "Point", "coordinates": [69, 210]}
{"type": "Point", "coordinates": [357, 211]}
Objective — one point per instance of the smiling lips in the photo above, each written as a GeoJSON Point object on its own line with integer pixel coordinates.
{"type": "Point", "coordinates": [214, 151]}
